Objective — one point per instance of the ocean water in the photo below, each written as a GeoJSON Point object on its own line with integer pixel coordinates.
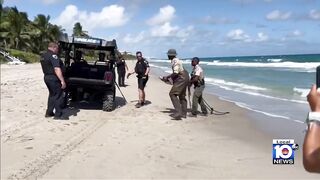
{"type": "Point", "coordinates": [275, 86]}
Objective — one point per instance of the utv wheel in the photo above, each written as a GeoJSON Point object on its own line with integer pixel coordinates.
{"type": "Point", "coordinates": [108, 102]}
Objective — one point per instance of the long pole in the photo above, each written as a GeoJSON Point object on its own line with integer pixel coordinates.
{"type": "Point", "coordinates": [121, 92]}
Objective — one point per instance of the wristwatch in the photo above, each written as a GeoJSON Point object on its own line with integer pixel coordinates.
{"type": "Point", "coordinates": [313, 117]}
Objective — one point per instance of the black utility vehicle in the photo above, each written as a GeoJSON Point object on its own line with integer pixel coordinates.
{"type": "Point", "coordinates": [90, 73]}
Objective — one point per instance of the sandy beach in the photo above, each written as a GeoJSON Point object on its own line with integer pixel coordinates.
{"type": "Point", "coordinates": [129, 143]}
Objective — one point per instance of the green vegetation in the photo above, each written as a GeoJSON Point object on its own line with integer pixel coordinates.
{"type": "Point", "coordinates": [2, 60]}
{"type": "Point", "coordinates": [18, 32]}
{"type": "Point", "coordinates": [28, 57]}
{"type": "Point", "coordinates": [127, 56]}
{"type": "Point", "coordinates": [26, 39]}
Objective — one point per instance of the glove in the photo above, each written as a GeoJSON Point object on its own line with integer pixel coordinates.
{"type": "Point", "coordinates": [165, 78]}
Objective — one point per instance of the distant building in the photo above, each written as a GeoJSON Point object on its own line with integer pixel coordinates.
{"type": "Point", "coordinates": [125, 53]}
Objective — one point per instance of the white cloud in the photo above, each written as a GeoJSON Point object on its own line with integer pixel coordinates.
{"type": "Point", "coordinates": [109, 16]}
{"type": "Point", "coordinates": [164, 30]}
{"type": "Point", "coordinates": [166, 14]}
{"type": "Point", "coordinates": [295, 33]}
{"type": "Point", "coordinates": [262, 37]}
{"type": "Point", "coordinates": [217, 20]}
{"type": "Point", "coordinates": [161, 23]}
{"type": "Point", "coordinates": [48, 2]}
{"type": "Point", "coordinates": [278, 15]}
{"type": "Point", "coordinates": [314, 14]}
{"type": "Point", "coordinates": [184, 34]}
{"type": "Point", "coordinates": [238, 35]}
{"type": "Point", "coordinates": [134, 39]}
{"type": "Point", "coordinates": [244, 1]}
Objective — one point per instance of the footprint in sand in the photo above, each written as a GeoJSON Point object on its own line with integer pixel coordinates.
{"type": "Point", "coordinates": [28, 147]}
{"type": "Point", "coordinates": [25, 138]}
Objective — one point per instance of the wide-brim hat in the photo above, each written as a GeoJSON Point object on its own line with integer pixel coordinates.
{"type": "Point", "coordinates": [172, 52]}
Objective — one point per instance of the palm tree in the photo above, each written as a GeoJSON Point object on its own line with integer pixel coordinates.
{"type": "Point", "coordinates": [77, 30]}
{"type": "Point", "coordinates": [14, 26]}
{"type": "Point", "coordinates": [44, 32]}
{"type": "Point", "coordinates": [41, 23]}
{"type": "Point", "coordinates": [55, 31]}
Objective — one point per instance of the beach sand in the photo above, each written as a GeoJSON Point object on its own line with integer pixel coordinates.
{"type": "Point", "coordinates": [128, 142]}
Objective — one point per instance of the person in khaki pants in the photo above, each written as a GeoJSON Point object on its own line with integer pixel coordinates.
{"type": "Point", "coordinates": [197, 79]}
{"type": "Point", "coordinates": [180, 78]}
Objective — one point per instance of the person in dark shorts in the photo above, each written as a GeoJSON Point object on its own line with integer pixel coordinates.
{"type": "Point", "coordinates": [121, 69]}
{"type": "Point", "coordinates": [142, 70]}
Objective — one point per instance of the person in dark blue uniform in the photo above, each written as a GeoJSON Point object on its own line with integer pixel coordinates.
{"type": "Point", "coordinates": [121, 68]}
{"type": "Point", "coordinates": [142, 70]}
{"type": "Point", "coordinates": [53, 69]}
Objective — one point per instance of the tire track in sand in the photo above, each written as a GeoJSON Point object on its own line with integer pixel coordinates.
{"type": "Point", "coordinates": [41, 165]}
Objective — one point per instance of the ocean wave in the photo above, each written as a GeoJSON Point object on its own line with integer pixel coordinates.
{"type": "Point", "coordinates": [302, 92]}
{"type": "Point", "coordinates": [310, 66]}
{"type": "Point", "coordinates": [243, 105]}
{"type": "Point", "coordinates": [276, 98]}
{"type": "Point", "coordinates": [156, 66]}
{"type": "Point", "coordinates": [247, 89]}
{"type": "Point", "coordinates": [274, 60]}
{"type": "Point", "coordinates": [233, 84]}
{"type": "Point", "coordinates": [185, 61]}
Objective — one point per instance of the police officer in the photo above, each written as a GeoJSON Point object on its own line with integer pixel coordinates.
{"type": "Point", "coordinates": [142, 70]}
{"type": "Point", "coordinates": [53, 69]}
{"type": "Point", "coordinates": [121, 69]}
{"type": "Point", "coordinates": [197, 80]}
{"type": "Point", "coordinates": [180, 78]}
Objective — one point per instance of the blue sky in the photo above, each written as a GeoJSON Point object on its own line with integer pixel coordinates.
{"type": "Point", "coordinates": [204, 28]}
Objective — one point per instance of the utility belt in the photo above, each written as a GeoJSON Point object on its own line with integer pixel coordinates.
{"type": "Point", "coordinates": [199, 83]}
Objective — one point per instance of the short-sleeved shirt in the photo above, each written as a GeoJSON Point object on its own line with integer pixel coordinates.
{"type": "Point", "coordinates": [198, 71]}
{"type": "Point", "coordinates": [49, 61]}
{"type": "Point", "coordinates": [141, 67]}
{"type": "Point", "coordinates": [121, 65]}
{"type": "Point", "coordinates": [177, 66]}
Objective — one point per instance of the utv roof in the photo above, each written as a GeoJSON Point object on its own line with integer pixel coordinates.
{"type": "Point", "coordinates": [87, 42]}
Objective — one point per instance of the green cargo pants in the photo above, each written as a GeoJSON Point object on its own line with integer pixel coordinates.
{"type": "Point", "coordinates": [178, 93]}
{"type": "Point", "coordinates": [197, 99]}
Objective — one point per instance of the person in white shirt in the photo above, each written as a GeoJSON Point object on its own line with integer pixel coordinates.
{"type": "Point", "coordinates": [197, 80]}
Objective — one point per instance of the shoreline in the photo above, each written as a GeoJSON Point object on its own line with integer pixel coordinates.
{"type": "Point", "coordinates": [129, 142]}
{"type": "Point", "coordinates": [295, 128]}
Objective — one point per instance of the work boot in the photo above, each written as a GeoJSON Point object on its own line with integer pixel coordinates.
{"type": "Point", "coordinates": [203, 114]}
{"type": "Point", "coordinates": [48, 115]}
{"type": "Point", "coordinates": [184, 116]}
{"type": "Point", "coordinates": [176, 117]}
{"type": "Point", "coordinates": [139, 105]}
{"type": "Point", "coordinates": [192, 115]}
{"type": "Point", "coordinates": [61, 118]}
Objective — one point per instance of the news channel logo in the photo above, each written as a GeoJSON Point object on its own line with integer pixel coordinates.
{"type": "Point", "coordinates": [283, 151]}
